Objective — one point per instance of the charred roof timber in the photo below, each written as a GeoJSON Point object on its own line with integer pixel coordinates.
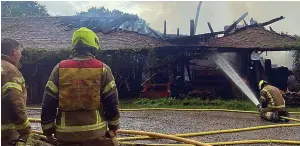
{"type": "Point", "coordinates": [272, 21]}
{"type": "Point", "coordinates": [210, 28]}
{"type": "Point", "coordinates": [232, 26]}
{"type": "Point", "coordinates": [192, 27]}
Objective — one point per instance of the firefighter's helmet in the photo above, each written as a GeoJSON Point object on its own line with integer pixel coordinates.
{"type": "Point", "coordinates": [261, 83]}
{"type": "Point", "coordinates": [85, 37]}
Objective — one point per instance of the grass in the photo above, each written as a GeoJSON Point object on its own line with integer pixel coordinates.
{"type": "Point", "coordinates": [187, 103]}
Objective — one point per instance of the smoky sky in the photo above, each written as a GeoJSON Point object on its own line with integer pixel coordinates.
{"type": "Point", "coordinates": [178, 15]}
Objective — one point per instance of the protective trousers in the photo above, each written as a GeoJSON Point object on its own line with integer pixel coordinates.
{"type": "Point", "coordinates": [275, 116]}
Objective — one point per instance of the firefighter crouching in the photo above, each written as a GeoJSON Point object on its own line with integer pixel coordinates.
{"type": "Point", "coordinates": [272, 104]}
{"type": "Point", "coordinates": [84, 91]}
{"type": "Point", "coordinates": [15, 127]}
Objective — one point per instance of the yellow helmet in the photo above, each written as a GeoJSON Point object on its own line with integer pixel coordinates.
{"type": "Point", "coordinates": [261, 82]}
{"type": "Point", "coordinates": [86, 37]}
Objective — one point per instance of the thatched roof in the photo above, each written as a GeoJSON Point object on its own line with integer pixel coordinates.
{"type": "Point", "coordinates": [254, 38]}
{"type": "Point", "coordinates": [47, 33]}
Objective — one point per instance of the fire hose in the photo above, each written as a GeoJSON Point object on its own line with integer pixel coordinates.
{"type": "Point", "coordinates": [178, 137]}
{"type": "Point", "coordinates": [291, 142]}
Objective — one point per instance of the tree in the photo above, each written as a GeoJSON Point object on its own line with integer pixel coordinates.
{"type": "Point", "coordinates": [297, 61]}
{"type": "Point", "coordinates": [22, 9]}
{"type": "Point", "coordinates": [104, 20]}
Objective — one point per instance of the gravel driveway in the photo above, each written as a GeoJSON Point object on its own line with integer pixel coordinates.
{"type": "Point", "coordinates": [175, 122]}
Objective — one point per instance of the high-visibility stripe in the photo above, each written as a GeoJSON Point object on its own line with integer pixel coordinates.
{"type": "Point", "coordinates": [115, 122]}
{"type": "Point", "coordinates": [271, 104]}
{"type": "Point", "coordinates": [109, 86]}
{"type": "Point", "coordinates": [81, 128]}
{"type": "Point", "coordinates": [268, 115]}
{"type": "Point", "coordinates": [11, 85]}
{"type": "Point", "coordinates": [64, 128]}
{"type": "Point", "coordinates": [52, 86]}
{"type": "Point", "coordinates": [22, 80]}
{"type": "Point", "coordinates": [23, 126]}
{"type": "Point", "coordinates": [262, 98]}
{"type": "Point", "coordinates": [48, 126]}
{"type": "Point", "coordinates": [279, 106]}
{"type": "Point", "coordinates": [7, 127]}
{"type": "Point", "coordinates": [97, 116]}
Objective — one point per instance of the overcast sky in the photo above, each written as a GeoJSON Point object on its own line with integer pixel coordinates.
{"type": "Point", "coordinates": [178, 14]}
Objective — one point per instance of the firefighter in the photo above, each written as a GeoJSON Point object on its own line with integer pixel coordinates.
{"type": "Point", "coordinates": [15, 127]}
{"type": "Point", "coordinates": [272, 104]}
{"type": "Point", "coordinates": [84, 91]}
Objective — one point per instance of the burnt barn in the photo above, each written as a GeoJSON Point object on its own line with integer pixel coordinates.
{"type": "Point", "coordinates": [152, 65]}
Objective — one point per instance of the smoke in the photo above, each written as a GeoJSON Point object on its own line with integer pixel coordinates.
{"type": "Point", "coordinates": [264, 11]}
{"type": "Point", "coordinates": [237, 8]}
{"type": "Point", "coordinates": [179, 13]}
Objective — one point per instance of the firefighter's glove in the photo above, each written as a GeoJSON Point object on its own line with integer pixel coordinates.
{"type": "Point", "coordinates": [259, 108]}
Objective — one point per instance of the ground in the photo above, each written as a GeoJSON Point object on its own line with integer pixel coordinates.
{"type": "Point", "coordinates": [175, 122]}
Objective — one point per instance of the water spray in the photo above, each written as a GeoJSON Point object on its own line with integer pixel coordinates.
{"type": "Point", "coordinates": [232, 74]}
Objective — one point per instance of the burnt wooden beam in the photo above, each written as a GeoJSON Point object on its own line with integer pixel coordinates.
{"type": "Point", "coordinates": [271, 29]}
{"type": "Point", "coordinates": [272, 21]}
{"type": "Point", "coordinates": [210, 28]}
{"type": "Point", "coordinates": [165, 28]}
{"type": "Point", "coordinates": [245, 22]}
{"type": "Point", "coordinates": [156, 33]}
{"type": "Point", "coordinates": [232, 26]}
{"type": "Point", "coordinates": [192, 27]}
{"type": "Point", "coordinates": [177, 32]}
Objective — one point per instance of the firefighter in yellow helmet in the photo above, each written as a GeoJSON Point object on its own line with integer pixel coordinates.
{"type": "Point", "coordinates": [84, 91]}
{"type": "Point", "coordinates": [272, 104]}
{"type": "Point", "coordinates": [15, 127]}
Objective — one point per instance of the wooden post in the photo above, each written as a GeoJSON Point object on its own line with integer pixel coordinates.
{"type": "Point", "coordinates": [192, 27]}
{"type": "Point", "coordinates": [177, 32]}
{"type": "Point", "coordinates": [165, 28]}
{"type": "Point", "coordinates": [245, 22]}
{"type": "Point", "coordinates": [210, 28]}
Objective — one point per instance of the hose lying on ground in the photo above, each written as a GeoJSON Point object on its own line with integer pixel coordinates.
{"type": "Point", "coordinates": [155, 135]}
{"type": "Point", "coordinates": [210, 132]}
{"type": "Point", "coordinates": [291, 142]}
{"type": "Point", "coordinates": [171, 137]}
{"type": "Point", "coordinates": [178, 136]}
{"type": "Point", "coordinates": [292, 119]}
{"type": "Point", "coordinates": [174, 109]}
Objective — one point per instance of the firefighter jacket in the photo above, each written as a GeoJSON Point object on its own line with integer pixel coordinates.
{"type": "Point", "coordinates": [84, 91]}
{"type": "Point", "coordinates": [271, 98]}
{"type": "Point", "coordinates": [13, 101]}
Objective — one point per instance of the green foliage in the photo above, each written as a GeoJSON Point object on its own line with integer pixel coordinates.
{"type": "Point", "coordinates": [106, 20]}
{"type": "Point", "coordinates": [297, 61]}
{"type": "Point", "coordinates": [103, 12]}
{"type": "Point", "coordinates": [22, 9]}
{"type": "Point", "coordinates": [193, 103]}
